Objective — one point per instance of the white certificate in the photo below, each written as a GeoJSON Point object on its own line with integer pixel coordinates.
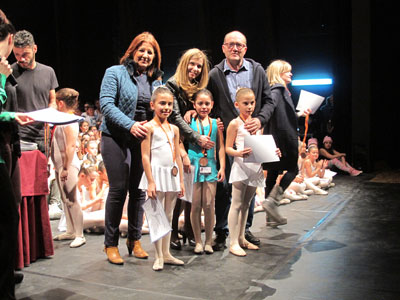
{"type": "Point", "coordinates": [263, 149]}
{"type": "Point", "coordinates": [188, 179]}
{"type": "Point", "coordinates": [329, 173]}
{"type": "Point", "coordinates": [309, 100]}
{"type": "Point", "coordinates": [53, 116]}
{"type": "Point", "coordinates": [156, 218]}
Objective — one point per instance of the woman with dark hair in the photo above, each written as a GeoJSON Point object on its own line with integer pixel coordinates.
{"type": "Point", "coordinates": [125, 104]}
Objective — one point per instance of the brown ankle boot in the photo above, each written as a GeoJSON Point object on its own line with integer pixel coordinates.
{"type": "Point", "coordinates": [113, 255]}
{"type": "Point", "coordinates": [138, 250]}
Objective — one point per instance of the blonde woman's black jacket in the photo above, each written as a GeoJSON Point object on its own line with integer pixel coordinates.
{"type": "Point", "coordinates": [283, 127]}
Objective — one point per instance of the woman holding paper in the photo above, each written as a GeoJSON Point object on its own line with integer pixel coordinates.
{"type": "Point", "coordinates": [283, 127]}
{"type": "Point", "coordinates": [125, 104]}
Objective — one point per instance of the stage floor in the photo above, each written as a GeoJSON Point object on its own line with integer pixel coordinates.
{"type": "Point", "coordinates": [345, 245]}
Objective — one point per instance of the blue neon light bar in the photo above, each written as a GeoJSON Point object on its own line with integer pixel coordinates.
{"type": "Point", "coordinates": [321, 81]}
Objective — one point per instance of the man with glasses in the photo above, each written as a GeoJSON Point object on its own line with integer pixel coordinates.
{"type": "Point", "coordinates": [232, 73]}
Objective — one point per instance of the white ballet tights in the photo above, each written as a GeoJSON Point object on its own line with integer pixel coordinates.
{"type": "Point", "coordinates": [167, 200]}
{"type": "Point", "coordinates": [237, 217]}
{"type": "Point", "coordinates": [71, 206]}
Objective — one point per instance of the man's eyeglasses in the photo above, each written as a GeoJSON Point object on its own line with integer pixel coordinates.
{"type": "Point", "coordinates": [239, 46]}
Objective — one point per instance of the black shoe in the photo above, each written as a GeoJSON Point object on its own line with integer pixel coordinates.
{"type": "Point", "coordinates": [18, 277]}
{"type": "Point", "coordinates": [219, 243]}
{"type": "Point", "coordinates": [192, 242]}
{"type": "Point", "coordinates": [251, 238]}
{"type": "Point", "coordinates": [176, 244]}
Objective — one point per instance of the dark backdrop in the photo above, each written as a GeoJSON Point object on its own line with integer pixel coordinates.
{"type": "Point", "coordinates": [340, 38]}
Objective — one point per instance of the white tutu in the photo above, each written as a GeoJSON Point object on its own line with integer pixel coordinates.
{"type": "Point", "coordinates": [163, 178]}
{"type": "Point", "coordinates": [249, 173]}
{"type": "Point", "coordinates": [162, 163]}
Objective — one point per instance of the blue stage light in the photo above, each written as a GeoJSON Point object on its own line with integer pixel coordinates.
{"type": "Point", "coordinates": [321, 81]}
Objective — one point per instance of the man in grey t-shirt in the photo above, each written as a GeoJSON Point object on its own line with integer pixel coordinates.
{"type": "Point", "coordinates": [36, 85]}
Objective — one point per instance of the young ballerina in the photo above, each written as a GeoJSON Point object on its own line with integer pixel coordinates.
{"type": "Point", "coordinates": [206, 172]}
{"type": "Point", "coordinates": [245, 177]}
{"type": "Point", "coordinates": [162, 164]}
{"type": "Point", "coordinates": [66, 165]}
{"type": "Point", "coordinates": [314, 171]}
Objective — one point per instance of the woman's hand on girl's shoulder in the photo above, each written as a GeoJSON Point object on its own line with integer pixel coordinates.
{"type": "Point", "coordinates": [139, 130]}
{"type": "Point", "coordinates": [189, 115]}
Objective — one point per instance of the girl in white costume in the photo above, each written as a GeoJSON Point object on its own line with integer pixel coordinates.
{"type": "Point", "coordinates": [314, 171]}
{"type": "Point", "coordinates": [66, 165]}
{"type": "Point", "coordinates": [162, 164]}
{"type": "Point", "coordinates": [245, 177]}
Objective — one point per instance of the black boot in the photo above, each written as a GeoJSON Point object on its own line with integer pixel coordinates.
{"type": "Point", "coordinates": [271, 204]}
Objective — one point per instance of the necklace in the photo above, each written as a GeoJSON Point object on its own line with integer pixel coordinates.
{"type": "Point", "coordinates": [204, 160]}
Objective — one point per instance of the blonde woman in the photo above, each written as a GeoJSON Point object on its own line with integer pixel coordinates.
{"type": "Point", "coordinates": [283, 127]}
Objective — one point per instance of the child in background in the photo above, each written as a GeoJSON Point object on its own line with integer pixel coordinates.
{"type": "Point", "coordinates": [335, 158]}
{"type": "Point", "coordinates": [162, 164]}
{"type": "Point", "coordinates": [314, 171]}
{"type": "Point", "coordinates": [206, 173]}
{"type": "Point", "coordinates": [66, 165]}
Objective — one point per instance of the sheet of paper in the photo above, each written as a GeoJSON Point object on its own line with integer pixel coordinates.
{"type": "Point", "coordinates": [156, 218]}
{"type": "Point", "coordinates": [53, 116]}
{"type": "Point", "coordinates": [329, 173]}
{"type": "Point", "coordinates": [263, 149]}
{"type": "Point", "coordinates": [309, 100]}
{"type": "Point", "coordinates": [188, 179]}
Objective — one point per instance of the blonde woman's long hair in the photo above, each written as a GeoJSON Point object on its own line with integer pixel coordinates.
{"type": "Point", "coordinates": [181, 74]}
{"type": "Point", "coordinates": [275, 70]}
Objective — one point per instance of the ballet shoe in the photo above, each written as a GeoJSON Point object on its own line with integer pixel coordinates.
{"type": "Point", "coordinates": [136, 247]}
{"type": "Point", "coordinates": [208, 249]}
{"type": "Point", "coordinates": [77, 242]}
{"type": "Point", "coordinates": [198, 249]}
{"type": "Point", "coordinates": [355, 172]}
{"type": "Point", "coordinates": [284, 201]}
{"type": "Point", "coordinates": [248, 245]}
{"type": "Point", "coordinates": [64, 236]}
{"type": "Point", "coordinates": [158, 264]}
{"type": "Point", "coordinates": [113, 255]}
{"type": "Point", "coordinates": [170, 260]}
{"type": "Point", "coordinates": [237, 250]}
{"type": "Point", "coordinates": [308, 192]}
{"type": "Point", "coordinates": [321, 192]}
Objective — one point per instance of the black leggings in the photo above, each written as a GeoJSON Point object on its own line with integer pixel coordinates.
{"type": "Point", "coordinates": [8, 235]}
{"type": "Point", "coordinates": [124, 169]}
{"type": "Point", "coordinates": [286, 180]}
